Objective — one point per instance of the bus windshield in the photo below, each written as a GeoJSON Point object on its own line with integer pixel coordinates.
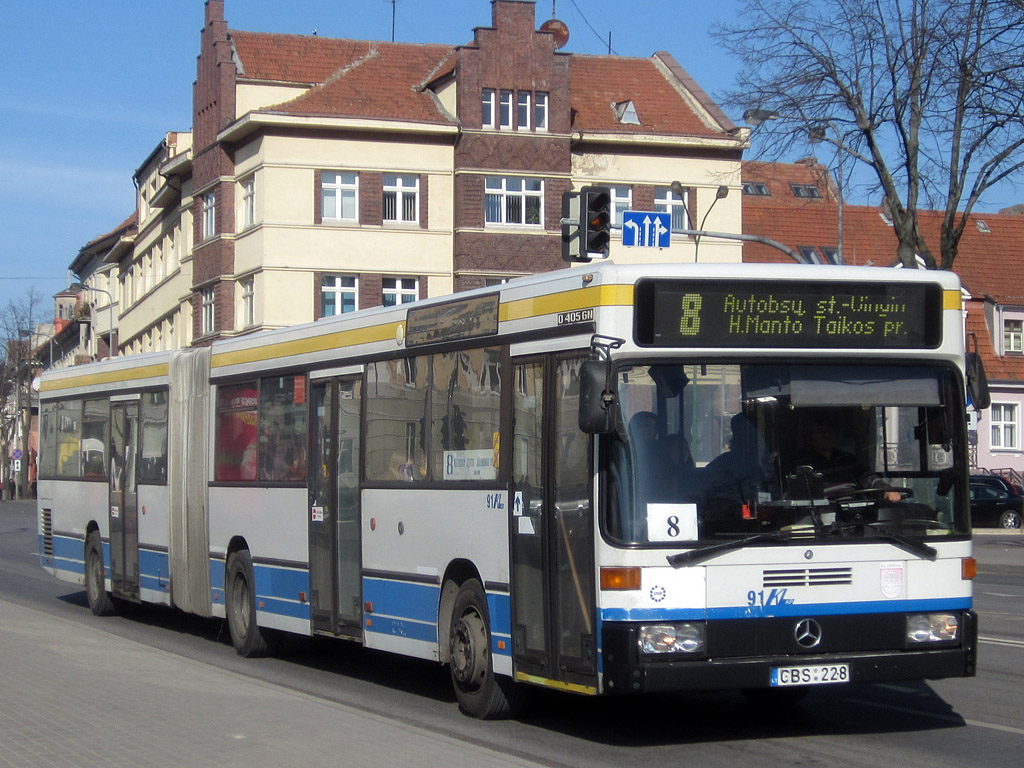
{"type": "Point", "coordinates": [709, 452]}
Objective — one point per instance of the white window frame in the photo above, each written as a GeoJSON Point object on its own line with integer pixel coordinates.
{"type": "Point", "coordinates": [502, 191]}
{"type": "Point", "coordinates": [338, 286]}
{"type": "Point", "coordinates": [1004, 429]}
{"type": "Point", "coordinates": [341, 186]}
{"type": "Point", "coordinates": [487, 105]}
{"type": "Point", "coordinates": [523, 102]}
{"type": "Point", "coordinates": [540, 110]}
{"type": "Point", "coordinates": [506, 110]}
{"type": "Point", "coordinates": [667, 201]}
{"type": "Point", "coordinates": [1013, 338]}
{"type": "Point", "coordinates": [247, 288]}
{"type": "Point", "coordinates": [399, 290]}
{"type": "Point", "coordinates": [403, 189]}
{"type": "Point", "coordinates": [248, 202]}
{"type": "Point", "coordinates": [622, 201]}
{"type": "Point", "coordinates": [208, 308]}
{"type": "Point", "coordinates": [209, 215]}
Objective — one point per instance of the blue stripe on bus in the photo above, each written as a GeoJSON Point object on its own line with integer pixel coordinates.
{"type": "Point", "coordinates": [804, 609]}
{"type": "Point", "coordinates": [282, 591]}
{"type": "Point", "coordinates": [404, 609]}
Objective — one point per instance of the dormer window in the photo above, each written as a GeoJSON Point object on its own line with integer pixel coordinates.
{"type": "Point", "coordinates": [806, 191]}
{"type": "Point", "coordinates": [625, 113]}
{"type": "Point", "coordinates": [756, 189]}
{"type": "Point", "coordinates": [1013, 337]}
{"type": "Point", "coordinates": [982, 226]}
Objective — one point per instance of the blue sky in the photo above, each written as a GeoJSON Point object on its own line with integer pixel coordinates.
{"type": "Point", "coordinates": [90, 87]}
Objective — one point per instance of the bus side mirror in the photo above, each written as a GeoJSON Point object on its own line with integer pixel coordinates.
{"type": "Point", "coordinates": [977, 382]}
{"type": "Point", "coordinates": [598, 404]}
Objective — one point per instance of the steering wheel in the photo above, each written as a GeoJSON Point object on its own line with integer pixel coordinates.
{"type": "Point", "coordinates": [846, 490]}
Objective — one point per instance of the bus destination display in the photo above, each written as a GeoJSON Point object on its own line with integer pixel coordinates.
{"type": "Point", "coordinates": [739, 313]}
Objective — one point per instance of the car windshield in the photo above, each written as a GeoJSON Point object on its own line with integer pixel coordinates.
{"type": "Point", "coordinates": [710, 452]}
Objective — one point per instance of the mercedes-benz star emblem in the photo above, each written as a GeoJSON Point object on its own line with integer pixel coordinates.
{"type": "Point", "coordinates": [807, 633]}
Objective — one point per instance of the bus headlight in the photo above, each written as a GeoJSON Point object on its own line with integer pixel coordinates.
{"type": "Point", "coordinates": [677, 637]}
{"type": "Point", "coordinates": [932, 628]}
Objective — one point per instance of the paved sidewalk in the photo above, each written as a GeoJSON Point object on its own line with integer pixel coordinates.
{"type": "Point", "coordinates": [71, 695]}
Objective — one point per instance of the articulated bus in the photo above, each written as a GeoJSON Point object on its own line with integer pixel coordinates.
{"type": "Point", "coordinates": [604, 480]}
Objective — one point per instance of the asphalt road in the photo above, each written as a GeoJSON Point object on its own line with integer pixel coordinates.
{"type": "Point", "coordinates": [976, 721]}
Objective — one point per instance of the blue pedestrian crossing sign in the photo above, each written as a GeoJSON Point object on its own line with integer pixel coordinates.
{"type": "Point", "coordinates": [647, 229]}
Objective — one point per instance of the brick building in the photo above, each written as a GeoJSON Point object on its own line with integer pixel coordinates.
{"type": "Point", "coordinates": [325, 175]}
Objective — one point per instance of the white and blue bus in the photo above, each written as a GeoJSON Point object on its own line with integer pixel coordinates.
{"type": "Point", "coordinates": [604, 480]}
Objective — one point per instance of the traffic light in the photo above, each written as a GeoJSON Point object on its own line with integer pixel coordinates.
{"type": "Point", "coordinates": [595, 222]}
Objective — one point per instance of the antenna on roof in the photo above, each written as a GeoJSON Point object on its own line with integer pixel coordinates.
{"type": "Point", "coordinates": [394, 4]}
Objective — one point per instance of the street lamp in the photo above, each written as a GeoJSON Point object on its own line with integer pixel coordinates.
{"type": "Point", "coordinates": [723, 191]}
{"type": "Point", "coordinates": [79, 287]}
{"type": "Point", "coordinates": [816, 134]}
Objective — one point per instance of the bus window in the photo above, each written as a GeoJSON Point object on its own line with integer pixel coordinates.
{"type": "Point", "coordinates": [48, 440]}
{"type": "Point", "coordinates": [153, 415]}
{"type": "Point", "coordinates": [282, 442]}
{"type": "Point", "coordinates": [843, 450]}
{"type": "Point", "coordinates": [236, 432]}
{"type": "Point", "coordinates": [396, 405]}
{"type": "Point", "coordinates": [466, 412]}
{"type": "Point", "coordinates": [95, 421]}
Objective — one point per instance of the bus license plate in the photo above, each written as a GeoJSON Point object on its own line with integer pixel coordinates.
{"type": "Point", "coordinates": [820, 674]}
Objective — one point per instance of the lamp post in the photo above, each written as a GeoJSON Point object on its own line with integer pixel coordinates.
{"type": "Point", "coordinates": [79, 287]}
{"type": "Point", "coordinates": [816, 133]}
{"type": "Point", "coordinates": [723, 191]}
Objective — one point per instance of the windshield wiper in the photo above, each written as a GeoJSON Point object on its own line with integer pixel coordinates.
{"type": "Point", "coordinates": [913, 546]}
{"type": "Point", "coordinates": [706, 553]}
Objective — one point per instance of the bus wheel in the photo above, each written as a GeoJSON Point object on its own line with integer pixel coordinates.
{"type": "Point", "coordinates": [480, 692]}
{"type": "Point", "coordinates": [100, 602]}
{"type": "Point", "coordinates": [240, 600]}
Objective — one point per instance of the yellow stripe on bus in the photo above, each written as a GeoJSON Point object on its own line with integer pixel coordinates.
{"type": "Point", "coordinates": [305, 346]}
{"type": "Point", "coordinates": [590, 690]}
{"type": "Point", "coordinates": [581, 298]}
{"type": "Point", "coordinates": [105, 377]}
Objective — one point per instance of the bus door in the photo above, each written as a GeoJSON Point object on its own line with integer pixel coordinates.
{"type": "Point", "coordinates": [334, 547]}
{"type": "Point", "coordinates": [554, 633]}
{"type": "Point", "coordinates": [124, 511]}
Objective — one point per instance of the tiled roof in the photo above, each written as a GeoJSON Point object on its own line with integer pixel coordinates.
{"type": "Point", "coordinates": [601, 82]}
{"type": "Point", "coordinates": [360, 78]}
{"type": "Point", "coordinates": [354, 78]}
{"type": "Point", "coordinates": [127, 227]}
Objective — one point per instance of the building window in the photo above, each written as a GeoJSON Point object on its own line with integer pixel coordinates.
{"type": "Point", "coordinates": [208, 315]}
{"type": "Point", "coordinates": [810, 254]}
{"type": "Point", "coordinates": [338, 295]}
{"type": "Point", "coordinates": [401, 198]}
{"type": "Point", "coordinates": [248, 202]}
{"type": "Point", "coordinates": [1004, 425]}
{"type": "Point", "coordinates": [540, 111]}
{"type": "Point", "coordinates": [805, 190]}
{"type": "Point", "coordinates": [513, 200]}
{"type": "Point", "coordinates": [248, 291]}
{"type": "Point", "coordinates": [666, 201]}
{"type": "Point", "coordinates": [622, 200]}
{"type": "Point", "coordinates": [339, 196]}
{"type": "Point", "coordinates": [505, 110]}
{"type": "Point", "coordinates": [831, 255]}
{"type": "Point", "coordinates": [1013, 337]}
{"type": "Point", "coordinates": [756, 189]}
{"type": "Point", "coordinates": [400, 290]}
{"type": "Point", "coordinates": [209, 215]}
{"type": "Point", "coordinates": [523, 111]}
{"type": "Point", "coordinates": [487, 108]}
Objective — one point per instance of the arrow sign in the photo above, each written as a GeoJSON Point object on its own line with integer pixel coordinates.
{"type": "Point", "coordinates": [647, 229]}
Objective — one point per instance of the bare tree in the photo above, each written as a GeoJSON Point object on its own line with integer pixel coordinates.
{"type": "Point", "coordinates": [17, 332]}
{"type": "Point", "coordinates": [929, 94]}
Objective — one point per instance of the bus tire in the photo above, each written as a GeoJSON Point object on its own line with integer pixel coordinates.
{"type": "Point", "coordinates": [240, 606]}
{"type": "Point", "coordinates": [480, 692]}
{"type": "Point", "coordinates": [100, 601]}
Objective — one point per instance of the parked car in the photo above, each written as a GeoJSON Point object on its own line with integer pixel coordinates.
{"type": "Point", "coordinates": [996, 501]}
